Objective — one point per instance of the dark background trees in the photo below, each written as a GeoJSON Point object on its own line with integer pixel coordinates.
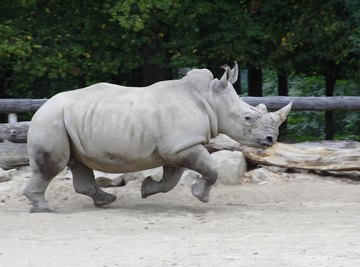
{"type": "Point", "coordinates": [51, 46]}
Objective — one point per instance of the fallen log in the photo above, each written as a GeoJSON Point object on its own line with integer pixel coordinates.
{"type": "Point", "coordinates": [324, 156]}
{"type": "Point", "coordinates": [293, 156]}
{"type": "Point", "coordinates": [14, 132]}
{"type": "Point", "coordinates": [13, 155]}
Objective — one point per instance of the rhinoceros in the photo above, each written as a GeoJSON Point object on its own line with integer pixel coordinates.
{"type": "Point", "coordinates": [117, 129]}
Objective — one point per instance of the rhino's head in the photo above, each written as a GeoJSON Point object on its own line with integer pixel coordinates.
{"type": "Point", "coordinates": [251, 126]}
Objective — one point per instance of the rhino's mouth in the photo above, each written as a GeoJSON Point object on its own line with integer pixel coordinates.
{"type": "Point", "coordinates": [265, 143]}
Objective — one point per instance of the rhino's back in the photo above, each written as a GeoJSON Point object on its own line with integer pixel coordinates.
{"type": "Point", "coordinates": [120, 129]}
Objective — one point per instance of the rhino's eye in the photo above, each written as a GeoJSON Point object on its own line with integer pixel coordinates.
{"type": "Point", "coordinates": [248, 118]}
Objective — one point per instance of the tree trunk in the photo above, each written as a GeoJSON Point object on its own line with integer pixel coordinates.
{"type": "Point", "coordinates": [283, 90]}
{"type": "Point", "coordinates": [3, 86]}
{"type": "Point", "coordinates": [151, 72]}
{"type": "Point", "coordinates": [237, 85]}
{"type": "Point", "coordinates": [254, 81]}
{"type": "Point", "coordinates": [330, 81]}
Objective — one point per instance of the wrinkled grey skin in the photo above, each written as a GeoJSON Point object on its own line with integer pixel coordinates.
{"type": "Point", "coordinates": [116, 129]}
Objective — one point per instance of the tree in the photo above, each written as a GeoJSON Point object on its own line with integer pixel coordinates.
{"type": "Point", "coordinates": [324, 48]}
{"type": "Point", "coordinates": [61, 46]}
{"type": "Point", "coordinates": [48, 46]}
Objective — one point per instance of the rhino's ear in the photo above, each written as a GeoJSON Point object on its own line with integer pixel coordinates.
{"type": "Point", "coordinates": [225, 78]}
{"type": "Point", "coordinates": [230, 75]}
{"type": "Point", "coordinates": [234, 73]}
{"type": "Point", "coordinates": [282, 113]}
{"type": "Point", "coordinates": [261, 108]}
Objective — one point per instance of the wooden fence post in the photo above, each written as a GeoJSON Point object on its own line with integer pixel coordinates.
{"type": "Point", "coordinates": [12, 118]}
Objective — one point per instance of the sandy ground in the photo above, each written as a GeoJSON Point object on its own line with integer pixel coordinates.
{"type": "Point", "coordinates": [302, 221]}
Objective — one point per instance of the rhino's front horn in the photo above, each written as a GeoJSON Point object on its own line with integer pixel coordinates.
{"type": "Point", "coordinates": [282, 113]}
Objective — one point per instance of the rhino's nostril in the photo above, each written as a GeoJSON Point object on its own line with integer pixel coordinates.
{"type": "Point", "coordinates": [269, 138]}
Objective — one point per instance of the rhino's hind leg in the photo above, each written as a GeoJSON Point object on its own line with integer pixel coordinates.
{"type": "Point", "coordinates": [35, 191]}
{"type": "Point", "coordinates": [45, 166]}
{"type": "Point", "coordinates": [198, 159]}
{"type": "Point", "coordinates": [170, 179]}
{"type": "Point", "coordinates": [84, 183]}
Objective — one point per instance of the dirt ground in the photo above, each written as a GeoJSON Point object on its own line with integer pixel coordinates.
{"type": "Point", "coordinates": [298, 221]}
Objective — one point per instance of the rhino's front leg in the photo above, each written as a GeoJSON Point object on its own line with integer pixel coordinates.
{"type": "Point", "coordinates": [84, 183]}
{"type": "Point", "coordinates": [197, 158]}
{"type": "Point", "coordinates": [170, 179]}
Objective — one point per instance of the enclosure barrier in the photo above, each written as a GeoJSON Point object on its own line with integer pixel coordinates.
{"type": "Point", "coordinates": [312, 103]}
{"type": "Point", "coordinates": [335, 103]}
{"type": "Point", "coordinates": [13, 136]}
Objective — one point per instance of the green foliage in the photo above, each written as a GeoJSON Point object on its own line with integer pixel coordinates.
{"type": "Point", "coordinates": [61, 46]}
{"type": "Point", "coordinates": [309, 125]}
{"type": "Point", "coordinates": [305, 126]}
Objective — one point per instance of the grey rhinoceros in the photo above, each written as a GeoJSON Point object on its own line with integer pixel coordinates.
{"type": "Point", "coordinates": [115, 129]}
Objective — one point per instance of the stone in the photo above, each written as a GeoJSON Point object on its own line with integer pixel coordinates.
{"type": "Point", "coordinates": [189, 177]}
{"type": "Point", "coordinates": [231, 166]}
{"type": "Point", "coordinates": [115, 180]}
{"type": "Point", "coordinates": [268, 174]}
{"type": "Point", "coordinates": [4, 176]}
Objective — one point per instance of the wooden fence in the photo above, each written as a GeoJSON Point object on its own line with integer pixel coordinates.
{"type": "Point", "coordinates": [13, 136]}
{"type": "Point", "coordinates": [336, 103]}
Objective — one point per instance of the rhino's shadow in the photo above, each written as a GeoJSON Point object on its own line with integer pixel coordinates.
{"type": "Point", "coordinates": [156, 207]}
{"type": "Point", "coordinates": [143, 208]}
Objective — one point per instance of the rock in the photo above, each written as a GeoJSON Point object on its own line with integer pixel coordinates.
{"type": "Point", "coordinates": [275, 169]}
{"type": "Point", "coordinates": [261, 175]}
{"type": "Point", "coordinates": [231, 166]}
{"type": "Point", "coordinates": [114, 180]}
{"type": "Point", "coordinates": [223, 142]}
{"type": "Point", "coordinates": [266, 174]}
{"type": "Point", "coordinates": [107, 182]}
{"type": "Point", "coordinates": [4, 176]}
{"type": "Point", "coordinates": [189, 177]}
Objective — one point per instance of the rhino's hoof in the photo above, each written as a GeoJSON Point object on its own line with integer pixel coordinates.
{"type": "Point", "coordinates": [200, 192]}
{"type": "Point", "coordinates": [145, 185]}
{"type": "Point", "coordinates": [41, 210]}
{"type": "Point", "coordinates": [104, 200]}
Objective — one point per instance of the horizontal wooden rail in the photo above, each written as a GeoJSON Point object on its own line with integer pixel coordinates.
{"type": "Point", "coordinates": [322, 103]}
{"type": "Point", "coordinates": [335, 103]}
{"type": "Point", "coordinates": [20, 105]}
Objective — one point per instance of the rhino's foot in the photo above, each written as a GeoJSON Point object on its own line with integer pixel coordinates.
{"type": "Point", "coordinates": [103, 199]}
{"type": "Point", "coordinates": [43, 209]}
{"type": "Point", "coordinates": [201, 191]}
{"type": "Point", "coordinates": [146, 187]}
{"type": "Point", "coordinates": [38, 201]}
